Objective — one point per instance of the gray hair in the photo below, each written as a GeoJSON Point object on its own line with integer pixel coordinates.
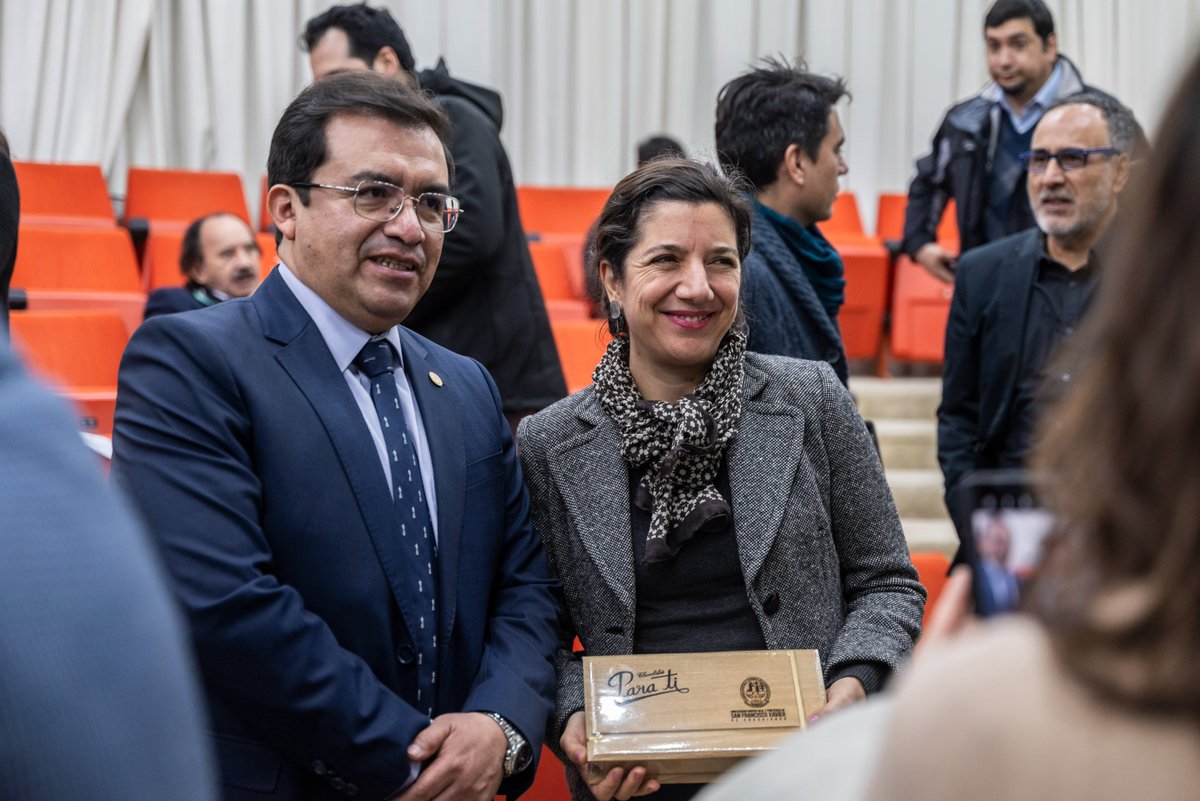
{"type": "Point", "coordinates": [1123, 129]}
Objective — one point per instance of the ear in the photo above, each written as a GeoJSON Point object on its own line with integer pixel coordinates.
{"type": "Point", "coordinates": [386, 61]}
{"type": "Point", "coordinates": [794, 165]}
{"type": "Point", "coordinates": [608, 277]}
{"type": "Point", "coordinates": [281, 203]}
{"type": "Point", "coordinates": [1051, 45]}
{"type": "Point", "coordinates": [1122, 172]}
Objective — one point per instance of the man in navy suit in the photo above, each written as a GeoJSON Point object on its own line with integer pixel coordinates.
{"type": "Point", "coordinates": [336, 497]}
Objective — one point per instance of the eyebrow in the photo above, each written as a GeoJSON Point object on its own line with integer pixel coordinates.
{"type": "Point", "coordinates": [671, 247]}
{"type": "Point", "coordinates": [371, 175]}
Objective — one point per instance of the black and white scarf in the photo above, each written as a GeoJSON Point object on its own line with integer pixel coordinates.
{"type": "Point", "coordinates": [679, 444]}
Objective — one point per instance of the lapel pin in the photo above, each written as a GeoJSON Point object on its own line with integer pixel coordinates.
{"type": "Point", "coordinates": [435, 378]}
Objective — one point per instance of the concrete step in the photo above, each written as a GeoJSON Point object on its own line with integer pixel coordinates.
{"type": "Point", "coordinates": [918, 493]}
{"type": "Point", "coordinates": [907, 444]}
{"type": "Point", "coordinates": [897, 398]}
{"type": "Point", "coordinates": [930, 535]}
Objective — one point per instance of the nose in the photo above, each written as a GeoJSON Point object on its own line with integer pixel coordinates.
{"type": "Point", "coordinates": [247, 257]}
{"type": "Point", "coordinates": [405, 226]}
{"type": "Point", "coordinates": [693, 281]}
{"type": "Point", "coordinates": [1053, 174]}
{"type": "Point", "coordinates": [843, 167]}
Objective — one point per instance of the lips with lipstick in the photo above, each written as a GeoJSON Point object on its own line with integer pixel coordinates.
{"type": "Point", "coordinates": [689, 318]}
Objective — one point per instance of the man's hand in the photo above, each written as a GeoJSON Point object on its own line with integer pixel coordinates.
{"type": "Point", "coordinates": [616, 784]}
{"type": "Point", "coordinates": [938, 261]}
{"type": "Point", "coordinates": [842, 693]}
{"type": "Point", "coordinates": [464, 759]}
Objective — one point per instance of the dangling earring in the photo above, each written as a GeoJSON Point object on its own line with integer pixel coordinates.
{"type": "Point", "coordinates": [616, 320]}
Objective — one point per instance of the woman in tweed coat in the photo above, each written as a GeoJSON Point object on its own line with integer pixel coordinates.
{"type": "Point", "coordinates": [700, 498]}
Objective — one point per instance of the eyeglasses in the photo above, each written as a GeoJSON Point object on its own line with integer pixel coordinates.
{"type": "Point", "coordinates": [1070, 158]}
{"type": "Point", "coordinates": [382, 202]}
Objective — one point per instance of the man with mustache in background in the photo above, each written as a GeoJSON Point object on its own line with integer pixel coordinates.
{"type": "Point", "coordinates": [219, 257]}
{"type": "Point", "coordinates": [1018, 298]}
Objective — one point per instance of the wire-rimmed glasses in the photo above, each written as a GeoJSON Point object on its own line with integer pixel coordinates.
{"type": "Point", "coordinates": [382, 202]}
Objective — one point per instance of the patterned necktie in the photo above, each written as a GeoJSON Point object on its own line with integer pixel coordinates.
{"type": "Point", "coordinates": [412, 513]}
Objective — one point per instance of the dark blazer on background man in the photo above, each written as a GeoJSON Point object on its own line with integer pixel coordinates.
{"type": "Point", "coordinates": [245, 449]}
{"type": "Point", "coordinates": [97, 694]}
{"type": "Point", "coordinates": [984, 339]}
{"type": "Point", "coordinates": [822, 552]}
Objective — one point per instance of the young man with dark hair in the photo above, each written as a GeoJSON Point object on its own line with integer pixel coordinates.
{"type": "Point", "coordinates": [778, 127]}
{"type": "Point", "coordinates": [336, 497]}
{"type": "Point", "coordinates": [10, 217]}
{"type": "Point", "coordinates": [219, 257]}
{"type": "Point", "coordinates": [974, 159]}
{"type": "Point", "coordinates": [486, 301]}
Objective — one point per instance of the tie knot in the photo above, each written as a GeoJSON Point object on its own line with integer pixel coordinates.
{"type": "Point", "coordinates": [375, 358]}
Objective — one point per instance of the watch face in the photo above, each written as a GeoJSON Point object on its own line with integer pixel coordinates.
{"type": "Point", "coordinates": [522, 758]}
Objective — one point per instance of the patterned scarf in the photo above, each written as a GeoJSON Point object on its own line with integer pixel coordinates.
{"type": "Point", "coordinates": [680, 444]}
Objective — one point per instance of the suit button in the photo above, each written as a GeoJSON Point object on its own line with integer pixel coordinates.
{"type": "Point", "coordinates": [771, 604]}
{"type": "Point", "coordinates": [337, 784]}
{"type": "Point", "coordinates": [319, 768]}
{"type": "Point", "coordinates": [405, 655]}
{"type": "Point", "coordinates": [351, 789]}
{"type": "Point", "coordinates": [833, 355]}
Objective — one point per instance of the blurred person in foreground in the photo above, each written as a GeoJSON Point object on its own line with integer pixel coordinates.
{"type": "Point", "coordinates": [10, 216]}
{"type": "Point", "coordinates": [778, 127]}
{"type": "Point", "coordinates": [219, 257]}
{"type": "Point", "coordinates": [98, 698]}
{"type": "Point", "coordinates": [485, 302]}
{"type": "Point", "coordinates": [698, 497]}
{"type": "Point", "coordinates": [1097, 695]}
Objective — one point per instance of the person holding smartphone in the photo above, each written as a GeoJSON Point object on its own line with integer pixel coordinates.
{"type": "Point", "coordinates": [1096, 694]}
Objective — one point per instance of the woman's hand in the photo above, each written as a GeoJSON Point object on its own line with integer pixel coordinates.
{"type": "Point", "coordinates": [616, 784]}
{"type": "Point", "coordinates": [842, 693]}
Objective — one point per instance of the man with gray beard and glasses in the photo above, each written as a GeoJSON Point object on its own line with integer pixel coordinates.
{"type": "Point", "coordinates": [1019, 297]}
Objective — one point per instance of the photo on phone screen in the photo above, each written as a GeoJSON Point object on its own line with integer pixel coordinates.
{"type": "Point", "coordinates": [1007, 528]}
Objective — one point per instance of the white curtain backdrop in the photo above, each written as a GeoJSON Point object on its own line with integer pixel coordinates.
{"type": "Point", "coordinates": [199, 84]}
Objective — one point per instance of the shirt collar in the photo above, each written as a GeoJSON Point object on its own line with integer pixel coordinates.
{"type": "Point", "coordinates": [1041, 101]}
{"type": "Point", "coordinates": [343, 338]}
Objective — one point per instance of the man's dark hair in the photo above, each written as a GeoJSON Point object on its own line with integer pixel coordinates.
{"type": "Point", "coordinates": [298, 144]}
{"type": "Point", "coordinates": [1123, 129]}
{"type": "Point", "coordinates": [1034, 10]}
{"type": "Point", "coordinates": [656, 146]}
{"type": "Point", "coordinates": [762, 112]}
{"type": "Point", "coordinates": [4, 144]}
{"type": "Point", "coordinates": [368, 29]}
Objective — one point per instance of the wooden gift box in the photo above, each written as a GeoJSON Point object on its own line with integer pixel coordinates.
{"type": "Point", "coordinates": [690, 717]}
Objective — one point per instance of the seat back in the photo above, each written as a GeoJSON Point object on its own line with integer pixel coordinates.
{"type": "Point", "coordinates": [77, 350]}
{"type": "Point", "coordinates": [932, 567]}
{"type": "Point", "coordinates": [550, 263]}
{"type": "Point", "coordinates": [75, 259]}
{"type": "Point", "coordinates": [559, 209]}
{"type": "Point", "coordinates": [580, 344]}
{"type": "Point", "coordinates": [64, 194]}
{"type": "Point", "coordinates": [173, 198]}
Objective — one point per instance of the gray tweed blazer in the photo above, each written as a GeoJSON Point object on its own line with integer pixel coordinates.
{"type": "Point", "coordinates": [825, 562]}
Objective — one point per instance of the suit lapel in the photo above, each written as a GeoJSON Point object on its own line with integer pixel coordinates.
{"type": "Point", "coordinates": [443, 431]}
{"type": "Point", "coordinates": [762, 464]}
{"type": "Point", "coordinates": [594, 483]}
{"type": "Point", "coordinates": [306, 359]}
{"type": "Point", "coordinates": [1013, 290]}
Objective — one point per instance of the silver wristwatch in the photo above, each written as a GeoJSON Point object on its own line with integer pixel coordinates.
{"type": "Point", "coordinates": [519, 754]}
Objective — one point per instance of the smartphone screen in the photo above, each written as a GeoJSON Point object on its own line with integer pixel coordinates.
{"type": "Point", "coordinates": [1008, 529]}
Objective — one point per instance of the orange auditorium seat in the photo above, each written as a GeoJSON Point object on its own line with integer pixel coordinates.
{"type": "Point", "coordinates": [558, 290]}
{"type": "Point", "coordinates": [845, 219]}
{"type": "Point", "coordinates": [173, 198]}
{"type": "Point", "coordinates": [889, 217]}
{"type": "Point", "coordinates": [559, 209]}
{"type": "Point", "coordinates": [550, 783]}
{"type": "Point", "coordinates": [64, 194]}
{"type": "Point", "coordinates": [79, 268]}
{"type": "Point", "coordinates": [78, 351]}
{"type": "Point", "coordinates": [921, 303]}
{"type": "Point", "coordinates": [932, 568]}
{"type": "Point", "coordinates": [580, 344]}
